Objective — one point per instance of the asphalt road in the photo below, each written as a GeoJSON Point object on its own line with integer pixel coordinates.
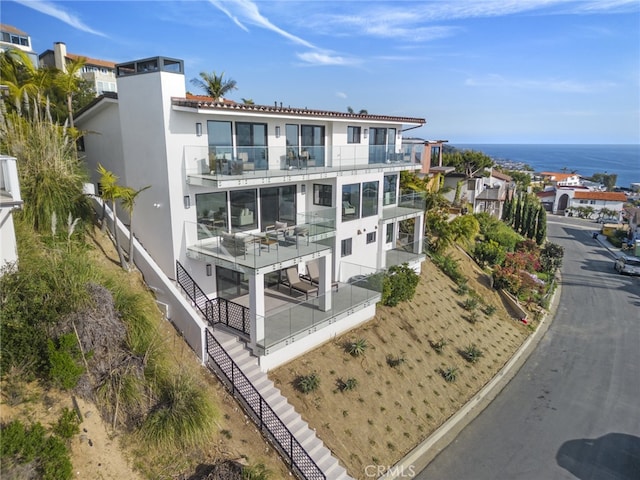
{"type": "Point", "coordinates": [573, 410]}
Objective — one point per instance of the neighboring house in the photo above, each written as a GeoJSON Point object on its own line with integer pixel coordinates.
{"type": "Point", "coordinates": [561, 179]}
{"type": "Point", "coordinates": [11, 37]}
{"type": "Point", "coordinates": [483, 193]}
{"type": "Point", "coordinates": [566, 199]}
{"type": "Point", "coordinates": [245, 198]}
{"type": "Point", "coordinates": [9, 200]}
{"type": "Point", "coordinates": [101, 74]}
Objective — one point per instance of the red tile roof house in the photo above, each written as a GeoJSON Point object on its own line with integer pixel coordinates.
{"type": "Point", "coordinates": [561, 179]}
{"type": "Point", "coordinates": [567, 198]}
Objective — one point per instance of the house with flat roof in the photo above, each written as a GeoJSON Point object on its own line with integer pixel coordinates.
{"type": "Point", "coordinates": [565, 199]}
{"type": "Point", "coordinates": [101, 74]}
{"type": "Point", "coordinates": [273, 219]}
{"type": "Point", "coordinates": [10, 199]}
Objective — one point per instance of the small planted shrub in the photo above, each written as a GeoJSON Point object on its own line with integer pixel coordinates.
{"type": "Point", "coordinates": [357, 348]}
{"type": "Point", "coordinates": [438, 345]}
{"type": "Point", "coordinates": [450, 374]}
{"type": "Point", "coordinates": [470, 304]}
{"type": "Point", "coordinates": [473, 317]}
{"type": "Point", "coordinates": [463, 288]}
{"type": "Point", "coordinates": [489, 310]}
{"type": "Point", "coordinates": [394, 361]}
{"type": "Point", "coordinates": [67, 425]}
{"type": "Point", "coordinates": [348, 384]}
{"type": "Point", "coordinates": [308, 383]}
{"type": "Point", "coordinates": [257, 471]}
{"type": "Point", "coordinates": [472, 353]}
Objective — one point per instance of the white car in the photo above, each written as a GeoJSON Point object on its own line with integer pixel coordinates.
{"type": "Point", "coordinates": [627, 264]}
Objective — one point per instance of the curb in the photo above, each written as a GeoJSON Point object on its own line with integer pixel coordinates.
{"type": "Point", "coordinates": [418, 458]}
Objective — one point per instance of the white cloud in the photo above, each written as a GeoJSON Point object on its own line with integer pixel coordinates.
{"type": "Point", "coordinates": [54, 11]}
{"type": "Point", "coordinates": [341, 95]}
{"type": "Point", "coordinates": [554, 85]}
{"type": "Point", "coordinates": [323, 58]}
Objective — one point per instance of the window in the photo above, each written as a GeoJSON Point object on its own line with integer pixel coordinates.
{"type": "Point", "coordinates": [346, 247]}
{"type": "Point", "coordinates": [243, 209]}
{"type": "Point", "coordinates": [277, 204]}
{"type": "Point", "coordinates": [377, 145]}
{"type": "Point", "coordinates": [211, 213]}
{"type": "Point", "coordinates": [435, 156]}
{"type": "Point", "coordinates": [390, 188]}
{"type": "Point", "coordinates": [220, 142]}
{"type": "Point", "coordinates": [322, 194]}
{"type": "Point", "coordinates": [251, 139]}
{"type": "Point", "coordinates": [350, 202]}
{"type": "Point", "coordinates": [389, 233]}
{"type": "Point", "coordinates": [369, 199]}
{"type": "Point", "coordinates": [353, 134]}
{"type": "Point", "coordinates": [293, 142]}
{"type": "Point", "coordinates": [313, 142]}
{"type": "Point", "coordinates": [371, 237]}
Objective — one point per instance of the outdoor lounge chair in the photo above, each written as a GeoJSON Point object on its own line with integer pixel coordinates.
{"type": "Point", "coordinates": [294, 282]}
{"type": "Point", "coordinates": [347, 208]}
{"type": "Point", "coordinates": [313, 273]}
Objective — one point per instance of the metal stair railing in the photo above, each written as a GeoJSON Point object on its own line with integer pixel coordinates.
{"type": "Point", "coordinates": [261, 413]}
{"type": "Point", "coordinates": [217, 310]}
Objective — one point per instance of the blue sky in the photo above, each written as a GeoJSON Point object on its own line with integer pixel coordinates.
{"type": "Point", "coordinates": [510, 71]}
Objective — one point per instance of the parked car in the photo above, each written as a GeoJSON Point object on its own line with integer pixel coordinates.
{"type": "Point", "coordinates": [627, 264]}
{"type": "Point", "coordinates": [608, 220]}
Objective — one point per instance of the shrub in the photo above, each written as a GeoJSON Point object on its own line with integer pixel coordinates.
{"type": "Point", "coordinates": [67, 425]}
{"type": "Point", "coordinates": [490, 310]}
{"type": "Point", "coordinates": [463, 288]}
{"type": "Point", "coordinates": [399, 285]}
{"type": "Point", "coordinates": [489, 253]}
{"type": "Point", "coordinates": [470, 304]}
{"type": "Point", "coordinates": [257, 471]}
{"type": "Point", "coordinates": [308, 383]}
{"type": "Point", "coordinates": [394, 361]}
{"type": "Point", "coordinates": [448, 266]}
{"type": "Point", "coordinates": [348, 384]}
{"type": "Point", "coordinates": [64, 369]}
{"type": "Point", "coordinates": [472, 353]}
{"type": "Point", "coordinates": [439, 345]}
{"type": "Point", "coordinates": [357, 347]}
{"type": "Point", "coordinates": [473, 317]}
{"type": "Point", "coordinates": [450, 374]}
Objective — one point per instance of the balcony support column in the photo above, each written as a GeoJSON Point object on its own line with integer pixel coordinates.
{"type": "Point", "coordinates": [256, 310]}
{"type": "Point", "coordinates": [418, 234]}
{"type": "Point", "coordinates": [324, 287]}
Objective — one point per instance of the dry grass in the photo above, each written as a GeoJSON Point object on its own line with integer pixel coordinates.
{"type": "Point", "coordinates": [392, 409]}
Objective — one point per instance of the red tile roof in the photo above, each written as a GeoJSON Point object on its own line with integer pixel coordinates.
{"type": "Point", "coordinates": [558, 177]}
{"type": "Point", "coordinates": [11, 29]}
{"type": "Point", "coordinates": [608, 196]}
{"type": "Point", "coordinates": [93, 61]}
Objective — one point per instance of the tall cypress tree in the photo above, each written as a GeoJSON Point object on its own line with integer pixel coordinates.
{"type": "Point", "coordinates": [532, 219]}
{"type": "Point", "coordinates": [506, 210]}
{"type": "Point", "coordinates": [541, 230]}
{"type": "Point", "coordinates": [517, 217]}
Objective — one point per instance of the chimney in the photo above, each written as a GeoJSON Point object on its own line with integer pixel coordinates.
{"type": "Point", "coordinates": [60, 56]}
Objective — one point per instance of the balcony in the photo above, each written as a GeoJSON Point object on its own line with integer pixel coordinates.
{"type": "Point", "coordinates": [406, 252]}
{"type": "Point", "coordinates": [9, 184]}
{"type": "Point", "coordinates": [409, 205]}
{"type": "Point", "coordinates": [258, 165]}
{"type": "Point", "coordinates": [262, 251]}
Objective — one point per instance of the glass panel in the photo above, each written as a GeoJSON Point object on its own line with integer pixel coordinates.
{"type": "Point", "coordinates": [211, 211]}
{"type": "Point", "coordinates": [313, 144]}
{"type": "Point", "coordinates": [251, 139]}
{"type": "Point", "coordinates": [389, 233]}
{"type": "Point", "coordinates": [390, 187]}
{"type": "Point", "coordinates": [268, 207]}
{"type": "Point", "coordinates": [322, 194]}
{"type": "Point", "coordinates": [377, 145]}
{"type": "Point", "coordinates": [220, 146]}
{"type": "Point", "coordinates": [353, 134]}
{"type": "Point", "coordinates": [243, 210]}
{"type": "Point", "coordinates": [435, 156]}
{"type": "Point", "coordinates": [287, 204]}
{"type": "Point", "coordinates": [230, 284]}
{"type": "Point", "coordinates": [350, 202]}
{"type": "Point", "coordinates": [369, 199]}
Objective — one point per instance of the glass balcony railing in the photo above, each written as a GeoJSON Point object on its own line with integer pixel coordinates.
{"type": "Point", "coordinates": [258, 249]}
{"type": "Point", "coordinates": [409, 204]}
{"type": "Point", "coordinates": [361, 289]}
{"type": "Point", "coordinates": [228, 163]}
{"type": "Point", "coordinates": [406, 252]}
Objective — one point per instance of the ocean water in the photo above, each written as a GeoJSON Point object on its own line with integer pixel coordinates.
{"type": "Point", "coordinates": [623, 160]}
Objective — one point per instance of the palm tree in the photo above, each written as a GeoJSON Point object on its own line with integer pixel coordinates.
{"type": "Point", "coordinates": [69, 81]}
{"type": "Point", "coordinates": [129, 196]}
{"type": "Point", "coordinates": [248, 101]}
{"type": "Point", "coordinates": [111, 191]}
{"type": "Point", "coordinates": [23, 80]}
{"type": "Point", "coordinates": [214, 84]}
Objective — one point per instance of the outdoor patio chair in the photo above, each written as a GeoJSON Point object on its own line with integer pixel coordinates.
{"type": "Point", "coordinates": [313, 273]}
{"type": "Point", "coordinates": [294, 282]}
{"type": "Point", "coordinates": [347, 208]}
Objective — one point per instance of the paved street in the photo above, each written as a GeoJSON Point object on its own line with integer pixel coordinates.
{"type": "Point", "coordinates": [573, 410]}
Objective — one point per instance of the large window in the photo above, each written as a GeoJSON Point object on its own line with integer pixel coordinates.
{"type": "Point", "coordinates": [220, 144]}
{"type": "Point", "coordinates": [353, 134]}
{"type": "Point", "coordinates": [369, 199]}
{"type": "Point", "coordinates": [389, 233]}
{"type": "Point", "coordinates": [251, 139]}
{"type": "Point", "coordinates": [277, 204]}
{"type": "Point", "coordinates": [313, 143]}
{"type": "Point", "coordinates": [435, 156]}
{"type": "Point", "coordinates": [322, 194]}
{"type": "Point", "coordinates": [377, 145]}
{"type": "Point", "coordinates": [350, 202]}
{"type": "Point", "coordinates": [211, 211]}
{"type": "Point", "coordinates": [243, 209]}
{"type": "Point", "coordinates": [390, 188]}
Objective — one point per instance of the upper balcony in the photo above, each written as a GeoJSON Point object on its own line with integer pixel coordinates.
{"type": "Point", "coordinates": [227, 166]}
{"type": "Point", "coordinates": [409, 205]}
{"type": "Point", "coordinates": [263, 251]}
{"type": "Point", "coordinates": [9, 183]}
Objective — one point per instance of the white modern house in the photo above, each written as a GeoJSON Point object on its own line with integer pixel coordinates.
{"type": "Point", "coordinates": [274, 220]}
{"type": "Point", "coordinates": [9, 200]}
{"type": "Point", "coordinates": [562, 200]}
{"type": "Point", "coordinates": [11, 37]}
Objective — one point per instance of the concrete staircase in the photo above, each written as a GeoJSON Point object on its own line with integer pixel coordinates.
{"type": "Point", "coordinates": [305, 436]}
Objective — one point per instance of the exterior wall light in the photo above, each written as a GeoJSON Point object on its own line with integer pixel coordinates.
{"type": "Point", "coordinates": [199, 129]}
{"type": "Point", "coordinates": [187, 201]}
{"type": "Point", "coordinates": [209, 268]}
{"type": "Point", "coordinates": [366, 132]}
{"type": "Point", "coordinates": [278, 131]}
